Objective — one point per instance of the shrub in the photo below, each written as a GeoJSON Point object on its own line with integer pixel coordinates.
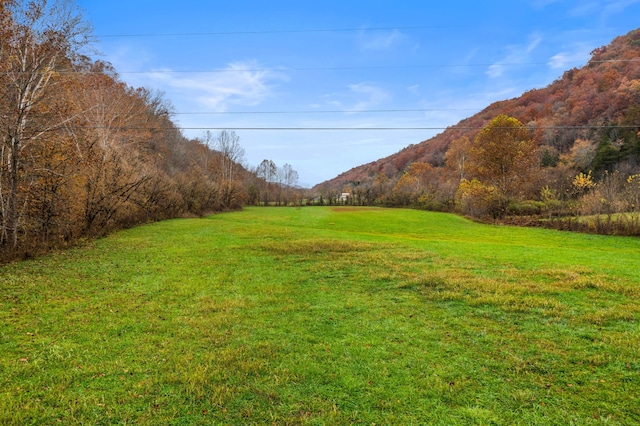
{"type": "Point", "coordinates": [526, 208]}
{"type": "Point", "coordinates": [476, 199]}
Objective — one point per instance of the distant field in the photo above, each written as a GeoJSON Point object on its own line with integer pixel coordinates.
{"type": "Point", "coordinates": [324, 316]}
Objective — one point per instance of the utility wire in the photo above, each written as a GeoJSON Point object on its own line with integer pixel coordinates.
{"type": "Point", "coordinates": [340, 68]}
{"type": "Point", "coordinates": [124, 128]}
{"type": "Point", "coordinates": [360, 68]}
{"type": "Point", "coordinates": [322, 111]}
{"type": "Point", "coordinates": [262, 32]}
{"type": "Point", "coordinates": [283, 69]}
{"type": "Point", "coordinates": [337, 68]}
{"type": "Point", "coordinates": [363, 67]}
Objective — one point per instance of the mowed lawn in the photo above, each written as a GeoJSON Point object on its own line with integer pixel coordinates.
{"type": "Point", "coordinates": [324, 316]}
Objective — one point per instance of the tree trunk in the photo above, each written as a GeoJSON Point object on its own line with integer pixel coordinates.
{"type": "Point", "coordinates": [11, 220]}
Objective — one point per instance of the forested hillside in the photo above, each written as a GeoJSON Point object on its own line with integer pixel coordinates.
{"type": "Point", "coordinates": [585, 122]}
{"type": "Point", "coordinates": [82, 153]}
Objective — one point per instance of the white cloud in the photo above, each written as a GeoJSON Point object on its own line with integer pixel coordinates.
{"type": "Point", "coordinates": [516, 54]}
{"type": "Point", "coordinates": [245, 84]}
{"type": "Point", "coordinates": [129, 60]}
{"type": "Point", "coordinates": [414, 90]}
{"type": "Point", "coordinates": [360, 97]}
{"type": "Point", "coordinates": [495, 70]}
{"type": "Point", "coordinates": [374, 96]}
{"type": "Point", "coordinates": [380, 41]}
{"type": "Point", "coordinates": [541, 4]}
{"type": "Point", "coordinates": [614, 7]}
{"type": "Point", "coordinates": [605, 9]}
{"type": "Point", "coordinates": [575, 56]}
{"type": "Point", "coordinates": [584, 8]}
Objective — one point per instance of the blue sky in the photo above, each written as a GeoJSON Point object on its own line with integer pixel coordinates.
{"type": "Point", "coordinates": [239, 64]}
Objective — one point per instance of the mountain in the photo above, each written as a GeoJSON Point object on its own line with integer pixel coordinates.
{"type": "Point", "coordinates": [600, 101]}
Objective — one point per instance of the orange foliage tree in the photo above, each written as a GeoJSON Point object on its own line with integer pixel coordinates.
{"type": "Point", "coordinates": [38, 37]}
{"type": "Point", "coordinates": [457, 154]}
{"type": "Point", "coordinates": [81, 152]}
{"type": "Point", "coordinates": [504, 156]}
{"type": "Point", "coordinates": [418, 185]}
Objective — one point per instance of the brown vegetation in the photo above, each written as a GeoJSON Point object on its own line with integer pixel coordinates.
{"type": "Point", "coordinates": [82, 153]}
{"type": "Point", "coordinates": [521, 157]}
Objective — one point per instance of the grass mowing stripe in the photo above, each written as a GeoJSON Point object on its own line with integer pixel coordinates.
{"type": "Point", "coordinates": [324, 316]}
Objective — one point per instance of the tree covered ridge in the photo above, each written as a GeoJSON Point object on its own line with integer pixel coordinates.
{"type": "Point", "coordinates": [604, 92]}
{"type": "Point", "coordinates": [587, 121]}
{"type": "Point", "coordinates": [82, 153]}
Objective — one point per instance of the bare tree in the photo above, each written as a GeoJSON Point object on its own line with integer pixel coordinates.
{"type": "Point", "coordinates": [231, 153]}
{"type": "Point", "coordinates": [290, 180]}
{"type": "Point", "coordinates": [39, 40]}
{"type": "Point", "coordinates": [266, 172]}
{"type": "Point", "coordinates": [456, 156]}
{"type": "Point", "coordinates": [230, 156]}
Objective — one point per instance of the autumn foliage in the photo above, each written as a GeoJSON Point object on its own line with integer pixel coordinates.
{"type": "Point", "coordinates": [521, 157]}
{"type": "Point", "coordinates": [81, 152]}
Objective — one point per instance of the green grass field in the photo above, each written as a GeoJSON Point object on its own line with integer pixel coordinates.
{"type": "Point", "coordinates": [326, 317]}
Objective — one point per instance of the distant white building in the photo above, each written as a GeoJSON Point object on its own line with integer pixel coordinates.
{"type": "Point", "coordinates": [344, 197]}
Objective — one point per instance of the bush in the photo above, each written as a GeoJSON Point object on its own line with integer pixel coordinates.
{"type": "Point", "coordinates": [526, 208]}
{"type": "Point", "coordinates": [476, 199]}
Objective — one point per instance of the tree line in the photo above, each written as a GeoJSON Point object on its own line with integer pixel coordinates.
{"type": "Point", "coordinates": [567, 155]}
{"type": "Point", "coordinates": [503, 173]}
{"type": "Point", "coordinates": [82, 153]}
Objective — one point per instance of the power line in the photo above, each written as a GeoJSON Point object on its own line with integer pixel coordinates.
{"type": "Point", "coordinates": [312, 128]}
{"type": "Point", "coordinates": [285, 68]}
{"type": "Point", "coordinates": [363, 67]}
{"type": "Point", "coordinates": [290, 69]}
{"type": "Point", "coordinates": [344, 128]}
{"type": "Point", "coordinates": [349, 68]}
{"type": "Point", "coordinates": [402, 128]}
{"type": "Point", "coordinates": [262, 32]}
{"type": "Point", "coordinates": [322, 111]}
{"type": "Point", "coordinates": [281, 69]}
{"type": "Point", "coordinates": [337, 68]}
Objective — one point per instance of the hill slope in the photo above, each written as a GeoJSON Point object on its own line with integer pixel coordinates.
{"type": "Point", "coordinates": [587, 103]}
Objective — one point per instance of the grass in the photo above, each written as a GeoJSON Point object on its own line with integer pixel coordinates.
{"type": "Point", "coordinates": [324, 316]}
